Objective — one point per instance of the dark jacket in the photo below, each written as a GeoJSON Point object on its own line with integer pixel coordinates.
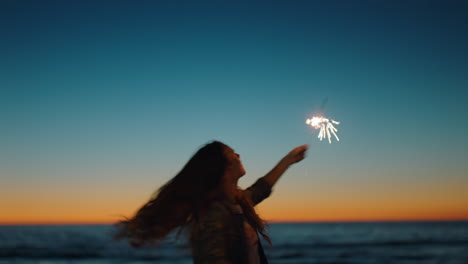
{"type": "Point", "coordinates": [219, 235]}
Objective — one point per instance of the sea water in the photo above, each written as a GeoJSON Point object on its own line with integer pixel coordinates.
{"type": "Point", "coordinates": [324, 243]}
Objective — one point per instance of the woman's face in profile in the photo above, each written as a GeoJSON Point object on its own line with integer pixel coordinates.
{"type": "Point", "coordinates": [235, 164]}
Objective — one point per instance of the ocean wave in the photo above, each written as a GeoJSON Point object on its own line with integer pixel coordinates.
{"type": "Point", "coordinates": [291, 244]}
{"type": "Point", "coordinates": [28, 252]}
{"type": "Point", "coordinates": [389, 243]}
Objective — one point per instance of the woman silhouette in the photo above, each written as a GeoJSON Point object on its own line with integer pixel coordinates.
{"type": "Point", "coordinates": [204, 197]}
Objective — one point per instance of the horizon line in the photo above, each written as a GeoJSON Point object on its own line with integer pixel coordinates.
{"type": "Point", "coordinates": [268, 222]}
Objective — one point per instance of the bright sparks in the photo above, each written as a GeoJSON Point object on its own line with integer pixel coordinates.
{"type": "Point", "coordinates": [326, 127]}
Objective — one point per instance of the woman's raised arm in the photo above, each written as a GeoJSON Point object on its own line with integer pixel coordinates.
{"type": "Point", "coordinates": [261, 189]}
{"type": "Point", "coordinates": [294, 156]}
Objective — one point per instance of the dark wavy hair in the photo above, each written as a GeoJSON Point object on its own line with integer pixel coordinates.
{"type": "Point", "coordinates": [184, 198]}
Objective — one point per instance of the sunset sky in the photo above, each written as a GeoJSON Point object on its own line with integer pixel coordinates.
{"type": "Point", "coordinates": [101, 102]}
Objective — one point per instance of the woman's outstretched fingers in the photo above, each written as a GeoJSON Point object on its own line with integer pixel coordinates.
{"type": "Point", "coordinates": [298, 153]}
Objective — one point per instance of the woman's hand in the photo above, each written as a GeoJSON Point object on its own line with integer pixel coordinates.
{"type": "Point", "coordinates": [296, 155]}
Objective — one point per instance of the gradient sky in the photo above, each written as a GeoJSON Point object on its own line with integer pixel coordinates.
{"type": "Point", "coordinates": [101, 102]}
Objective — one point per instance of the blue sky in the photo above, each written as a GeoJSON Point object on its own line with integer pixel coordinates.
{"type": "Point", "coordinates": [94, 91]}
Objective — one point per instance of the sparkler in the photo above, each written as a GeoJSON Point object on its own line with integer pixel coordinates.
{"type": "Point", "coordinates": [326, 127]}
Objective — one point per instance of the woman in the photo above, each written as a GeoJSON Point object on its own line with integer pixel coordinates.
{"type": "Point", "coordinates": [204, 197]}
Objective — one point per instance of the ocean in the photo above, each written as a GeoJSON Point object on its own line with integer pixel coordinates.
{"type": "Point", "coordinates": [315, 243]}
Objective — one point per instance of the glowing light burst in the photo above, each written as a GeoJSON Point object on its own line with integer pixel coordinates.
{"type": "Point", "coordinates": [326, 127]}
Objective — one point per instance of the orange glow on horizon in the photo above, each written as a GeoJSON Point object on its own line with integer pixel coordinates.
{"type": "Point", "coordinates": [347, 201]}
{"type": "Point", "coordinates": [290, 215]}
{"type": "Point", "coordinates": [269, 220]}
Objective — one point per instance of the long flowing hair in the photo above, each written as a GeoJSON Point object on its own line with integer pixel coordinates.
{"type": "Point", "coordinates": [183, 199]}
